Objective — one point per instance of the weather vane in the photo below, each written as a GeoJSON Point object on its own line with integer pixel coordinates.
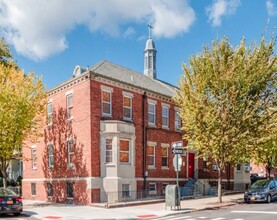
{"type": "Point", "coordinates": [149, 29]}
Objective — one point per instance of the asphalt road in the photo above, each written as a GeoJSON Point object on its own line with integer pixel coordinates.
{"type": "Point", "coordinates": [21, 217]}
{"type": "Point", "coordinates": [255, 211]}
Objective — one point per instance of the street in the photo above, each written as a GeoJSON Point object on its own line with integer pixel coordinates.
{"type": "Point", "coordinates": [237, 212]}
{"type": "Point", "coordinates": [21, 217]}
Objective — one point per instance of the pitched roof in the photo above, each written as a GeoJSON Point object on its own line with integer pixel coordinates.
{"type": "Point", "coordinates": [119, 73]}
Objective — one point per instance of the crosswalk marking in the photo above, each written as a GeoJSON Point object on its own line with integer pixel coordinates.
{"type": "Point", "coordinates": [193, 218]}
{"type": "Point", "coordinates": [174, 218]}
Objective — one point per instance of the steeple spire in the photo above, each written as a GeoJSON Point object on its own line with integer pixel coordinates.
{"type": "Point", "coordinates": [150, 56]}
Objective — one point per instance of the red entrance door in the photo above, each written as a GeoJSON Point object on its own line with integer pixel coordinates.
{"type": "Point", "coordinates": [191, 166]}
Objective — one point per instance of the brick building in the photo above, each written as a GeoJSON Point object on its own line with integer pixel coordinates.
{"type": "Point", "coordinates": [109, 132]}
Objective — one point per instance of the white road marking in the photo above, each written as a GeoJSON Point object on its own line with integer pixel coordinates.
{"type": "Point", "coordinates": [217, 218]}
{"type": "Point", "coordinates": [238, 219]}
{"type": "Point", "coordinates": [255, 212]}
{"type": "Point", "coordinates": [202, 217]}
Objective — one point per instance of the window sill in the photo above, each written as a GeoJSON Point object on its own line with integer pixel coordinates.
{"type": "Point", "coordinates": [121, 163]}
{"type": "Point", "coordinates": [151, 125]}
{"type": "Point", "coordinates": [106, 115]}
{"type": "Point", "coordinates": [69, 119]}
{"type": "Point", "coordinates": [128, 119]}
{"type": "Point", "coordinates": [110, 165]}
{"type": "Point", "coordinates": [151, 168]}
{"type": "Point", "coordinates": [165, 168]}
{"type": "Point", "coordinates": [71, 166]}
{"type": "Point", "coordinates": [165, 127]}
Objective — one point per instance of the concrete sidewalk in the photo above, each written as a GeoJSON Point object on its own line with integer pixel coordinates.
{"type": "Point", "coordinates": [44, 210]}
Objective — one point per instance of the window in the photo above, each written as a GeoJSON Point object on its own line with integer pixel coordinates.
{"type": "Point", "coordinates": [126, 192]}
{"type": "Point", "coordinates": [109, 150]}
{"type": "Point", "coordinates": [106, 103]}
{"type": "Point", "coordinates": [69, 190]}
{"type": "Point", "coordinates": [34, 158]}
{"type": "Point", "coordinates": [50, 155]}
{"type": "Point", "coordinates": [165, 156]}
{"type": "Point", "coordinates": [33, 189]}
{"type": "Point", "coordinates": [151, 113]}
{"type": "Point", "coordinates": [178, 121]}
{"type": "Point", "coordinates": [152, 189]}
{"type": "Point", "coordinates": [151, 155]}
{"type": "Point", "coordinates": [164, 187]}
{"type": "Point", "coordinates": [127, 107]}
{"type": "Point", "coordinates": [238, 167]}
{"type": "Point", "coordinates": [124, 151]}
{"type": "Point", "coordinates": [49, 113]}
{"type": "Point", "coordinates": [69, 106]}
{"type": "Point", "coordinates": [205, 163]}
{"type": "Point", "coordinates": [49, 189]}
{"type": "Point", "coordinates": [70, 152]}
{"type": "Point", "coordinates": [165, 115]}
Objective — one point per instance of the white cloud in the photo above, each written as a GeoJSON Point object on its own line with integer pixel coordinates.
{"type": "Point", "coordinates": [221, 8]}
{"type": "Point", "coordinates": [38, 29]}
{"type": "Point", "coordinates": [129, 32]}
{"type": "Point", "coordinates": [271, 9]}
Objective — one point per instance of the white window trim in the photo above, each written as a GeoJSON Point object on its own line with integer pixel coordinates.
{"type": "Point", "coordinates": [154, 144]}
{"type": "Point", "coordinates": [69, 92]}
{"type": "Point", "coordinates": [50, 165]}
{"type": "Point", "coordinates": [129, 152]}
{"type": "Point", "coordinates": [34, 148]}
{"type": "Point", "coordinates": [179, 127]}
{"type": "Point", "coordinates": [102, 101]}
{"type": "Point", "coordinates": [163, 116]}
{"type": "Point", "coordinates": [69, 107]}
{"type": "Point", "coordinates": [129, 190]}
{"type": "Point", "coordinates": [155, 105]}
{"type": "Point", "coordinates": [163, 145]}
{"type": "Point", "coordinates": [131, 107]}
{"type": "Point", "coordinates": [108, 150]}
{"type": "Point", "coordinates": [50, 123]}
{"type": "Point", "coordinates": [70, 163]}
{"type": "Point", "coordinates": [154, 192]}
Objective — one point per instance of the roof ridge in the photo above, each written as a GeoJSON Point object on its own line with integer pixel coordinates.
{"type": "Point", "coordinates": [97, 65]}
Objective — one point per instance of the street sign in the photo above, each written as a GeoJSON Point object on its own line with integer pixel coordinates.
{"type": "Point", "coordinates": [177, 162]}
{"type": "Point", "coordinates": [177, 147]}
{"type": "Point", "coordinates": [177, 151]}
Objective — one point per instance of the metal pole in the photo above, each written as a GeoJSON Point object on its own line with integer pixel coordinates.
{"type": "Point", "coordinates": [177, 181]}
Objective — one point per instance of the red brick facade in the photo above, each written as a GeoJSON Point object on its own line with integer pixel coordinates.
{"type": "Point", "coordinates": [85, 131]}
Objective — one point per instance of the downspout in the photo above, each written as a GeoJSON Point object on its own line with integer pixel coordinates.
{"type": "Point", "coordinates": [144, 140]}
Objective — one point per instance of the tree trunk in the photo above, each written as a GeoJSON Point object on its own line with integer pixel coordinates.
{"type": "Point", "coordinates": [4, 174]}
{"type": "Point", "coordinates": [219, 187]}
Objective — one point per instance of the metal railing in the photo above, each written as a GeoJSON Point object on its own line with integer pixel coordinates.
{"type": "Point", "coordinates": [123, 197]}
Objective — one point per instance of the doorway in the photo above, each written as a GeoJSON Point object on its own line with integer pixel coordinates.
{"type": "Point", "coordinates": [191, 165]}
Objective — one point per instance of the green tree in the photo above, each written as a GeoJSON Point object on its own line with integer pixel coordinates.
{"type": "Point", "coordinates": [22, 110]}
{"type": "Point", "coordinates": [5, 54]}
{"type": "Point", "coordinates": [225, 99]}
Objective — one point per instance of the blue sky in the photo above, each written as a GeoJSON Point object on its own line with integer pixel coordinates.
{"type": "Point", "coordinates": [51, 37]}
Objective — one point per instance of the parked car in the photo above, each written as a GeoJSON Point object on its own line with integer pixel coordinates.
{"type": "Point", "coordinates": [10, 203]}
{"type": "Point", "coordinates": [261, 191]}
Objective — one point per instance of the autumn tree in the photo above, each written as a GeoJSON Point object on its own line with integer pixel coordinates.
{"type": "Point", "coordinates": [225, 98]}
{"type": "Point", "coordinates": [22, 108]}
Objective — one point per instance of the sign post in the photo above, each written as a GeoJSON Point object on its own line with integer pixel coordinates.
{"type": "Point", "coordinates": [177, 150]}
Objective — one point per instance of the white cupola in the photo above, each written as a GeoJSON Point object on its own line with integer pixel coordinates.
{"type": "Point", "coordinates": [150, 57]}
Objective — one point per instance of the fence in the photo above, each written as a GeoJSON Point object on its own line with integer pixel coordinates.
{"type": "Point", "coordinates": [123, 197]}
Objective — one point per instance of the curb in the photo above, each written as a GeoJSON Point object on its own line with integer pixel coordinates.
{"type": "Point", "coordinates": [192, 210]}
